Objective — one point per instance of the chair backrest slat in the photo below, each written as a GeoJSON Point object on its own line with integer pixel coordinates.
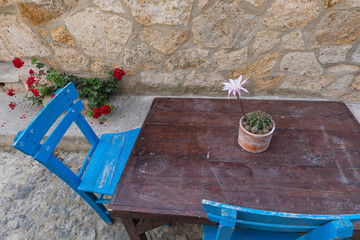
{"type": "Point", "coordinates": [62, 171]}
{"type": "Point", "coordinates": [54, 138]}
{"type": "Point", "coordinates": [275, 221]}
{"type": "Point", "coordinates": [86, 129]}
{"type": "Point", "coordinates": [28, 141]}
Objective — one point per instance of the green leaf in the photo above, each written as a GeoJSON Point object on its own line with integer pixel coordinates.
{"type": "Point", "coordinates": [33, 60]}
{"type": "Point", "coordinates": [40, 65]}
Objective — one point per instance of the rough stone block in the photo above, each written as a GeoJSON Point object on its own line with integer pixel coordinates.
{"type": "Point", "coordinates": [265, 41]}
{"type": "Point", "coordinates": [260, 68]}
{"type": "Point", "coordinates": [311, 84]}
{"type": "Point", "coordinates": [186, 59]}
{"type": "Point", "coordinates": [303, 63]}
{"type": "Point", "coordinates": [61, 34]}
{"type": "Point", "coordinates": [12, 27]}
{"type": "Point", "coordinates": [291, 13]}
{"type": "Point", "coordinates": [338, 27]}
{"type": "Point", "coordinates": [293, 40]}
{"type": "Point", "coordinates": [225, 24]}
{"type": "Point", "coordinates": [333, 54]}
{"type": "Point", "coordinates": [110, 5]}
{"type": "Point", "coordinates": [99, 34]}
{"type": "Point", "coordinates": [230, 60]}
{"type": "Point", "coordinates": [168, 12]}
{"type": "Point", "coordinates": [164, 40]}
{"type": "Point", "coordinates": [142, 57]}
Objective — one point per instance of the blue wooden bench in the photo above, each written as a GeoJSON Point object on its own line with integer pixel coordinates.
{"type": "Point", "coordinates": [251, 224]}
{"type": "Point", "coordinates": [104, 163]}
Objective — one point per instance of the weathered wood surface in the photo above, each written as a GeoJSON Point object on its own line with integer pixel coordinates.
{"type": "Point", "coordinates": [187, 151]}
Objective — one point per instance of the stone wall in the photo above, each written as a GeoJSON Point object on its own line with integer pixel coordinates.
{"type": "Point", "coordinates": [298, 48]}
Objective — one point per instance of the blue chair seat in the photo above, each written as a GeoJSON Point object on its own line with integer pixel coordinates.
{"type": "Point", "coordinates": [209, 233]}
{"type": "Point", "coordinates": [108, 162]}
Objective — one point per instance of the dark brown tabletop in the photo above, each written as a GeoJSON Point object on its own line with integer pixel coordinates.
{"type": "Point", "coordinates": [187, 151]}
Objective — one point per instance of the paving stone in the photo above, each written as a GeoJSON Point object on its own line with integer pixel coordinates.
{"type": "Point", "coordinates": [11, 223]}
{"type": "Point", "coordinates": [87, 233]}
{"type": "Point", "coordinates": [67, 228]}
{"type": "Point", "coordinates": [23, 192]}
{"type": "Point", "coordinates": [27, 223]}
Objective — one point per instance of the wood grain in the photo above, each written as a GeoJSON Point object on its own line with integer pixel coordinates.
{"type": "Point", "coordinates": [187, 151]}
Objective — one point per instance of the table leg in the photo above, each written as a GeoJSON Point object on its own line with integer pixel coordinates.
{"type": "Point", "coordinates": [131, 229]}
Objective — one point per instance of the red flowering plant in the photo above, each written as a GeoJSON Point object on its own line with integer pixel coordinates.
{"type": "Point", "coordinates": [95, 90]}
{"type": "Point", "coordinates": [18, 63]}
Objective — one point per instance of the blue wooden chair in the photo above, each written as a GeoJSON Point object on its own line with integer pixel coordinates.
{"type": "Point", "coordinates": [104, 163]}
{"type": "Point", "coordinates": [251, 224]}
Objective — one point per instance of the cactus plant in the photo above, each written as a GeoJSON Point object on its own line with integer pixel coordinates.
{"type": "Point", "coordinates": [258, 122]}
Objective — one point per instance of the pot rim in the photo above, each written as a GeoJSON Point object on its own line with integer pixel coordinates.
{"type": "Point", "coordinates": [257, 135]}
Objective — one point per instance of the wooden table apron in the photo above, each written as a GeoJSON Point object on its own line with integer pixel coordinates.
{"type": "Point", "coordinates": [187, 151]}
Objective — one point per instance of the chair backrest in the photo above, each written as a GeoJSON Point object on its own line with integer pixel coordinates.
{"type": "Point", "coordinates": [29, 140]}
{"type": "Point", "coordinates": [269, 220]}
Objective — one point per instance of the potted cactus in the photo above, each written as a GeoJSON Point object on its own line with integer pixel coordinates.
{"type": "Point", "coordinates": [256, 128]}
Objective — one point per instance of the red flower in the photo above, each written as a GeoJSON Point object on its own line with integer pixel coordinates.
{"type": "Point", "coordinates": [35, 92]}
{"type": "Point", "coordinates": [52, 95]}
{"type": "Point", "coordinates": [11, 92]}
{"type": "Point", "coordinates": [96, 113]}
{"type": "Point", "coordinates": [12, 106]}
{"type": "Point", "coordinates": [106, 109]}
{"type": "Point", "coordinates": [31, 71]}
{"type": "Point", "coordinates": [118, 73]}
{"type": "Point", "coordinates": [18, 63]}
{"type": "Point", "coordinates": [30, 81]}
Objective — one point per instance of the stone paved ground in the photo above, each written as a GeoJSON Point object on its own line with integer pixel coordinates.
{"type": "Point", "coordinates": [35, 204]}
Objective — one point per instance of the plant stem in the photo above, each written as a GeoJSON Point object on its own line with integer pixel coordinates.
{"type": "Point", "coordinates": [242, 108]}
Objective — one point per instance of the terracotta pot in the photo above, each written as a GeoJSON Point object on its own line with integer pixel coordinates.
{"type": "Point", "coordinates": [254, 143]}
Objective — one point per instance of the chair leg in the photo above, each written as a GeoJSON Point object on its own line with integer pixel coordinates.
{"type": "Point", "coordinates": [99, 208]}
{"type": "Point", "coordinates": [65, 174]}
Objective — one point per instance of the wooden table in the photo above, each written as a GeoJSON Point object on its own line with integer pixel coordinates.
{"type": "Point", "coordinates": [187, 151]}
